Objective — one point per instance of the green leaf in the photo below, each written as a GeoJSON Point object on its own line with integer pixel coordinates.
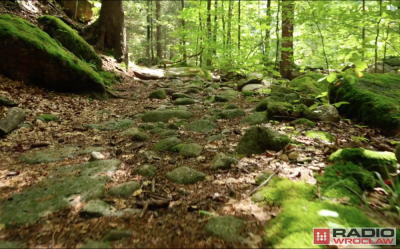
{"type": "Point", "coordinates": [332, 77]}
{"type": "Point", "coordinates": [322, 95]}
{"type": "Point", "coordinates": [338, 104]}
{"type": "Point", "coordinates": [313, 106]}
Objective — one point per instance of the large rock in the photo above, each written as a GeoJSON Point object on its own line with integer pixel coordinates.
{"type": "Point", "coordinates": [77, 10]}
{"type": "Point", "coordinates": [393, 61]}
{"type": "Point", "coordinates": [222, 161]}
{"type": "Point", "coordinates": [185, 175]}
{"type": "Point", "coordinates": [124, 190]}
{"type": "Point", "coordinates": [309, 84]}
{"type": "Point", "coordinates": [380, 69]}
{"type": "Point", "coordinates": [70, 39]}
{"type": "Point", "coordinates": [227, 228]}
{"type": "Point", "coordinates": [95, 208]}
{"type": "Point", "coordinates": [323, 113]}
{"type": "Point", "coordinates": [373, 99]}
{"type": "Point", "coordinates": [191, 150]}
{"type": "Point", "coordinates": [255, 118]}
{"type": "Point", "coordinates": [202, 125]}
{"type": "Point", "coordinates": [158, 94]}
{"type": "Point", "coordinates": [231, 113]}
{"type": "Point", "coordinates": [166, 144]}
{"type": "Point", "coordinates": [258, 139]}
{"type": "Point", "coordinates": [165, 115]}
{"type": "Point", "coordinates": [29, 54]}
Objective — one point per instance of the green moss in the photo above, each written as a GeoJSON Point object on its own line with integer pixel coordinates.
{"type": "Point", "coordinates": [309, 84]}
{"type": "Point", "coordinates": [280, 190]}
{"type": "Point", "coordinates": [374, 100]}
{"type": "Point", "coordinates": [293, 228]}
{"type": "Point", "coordinates": [113, 125]}
{"type": "Point", "coordinates": [321, 135]}
{"type": "Point", "coordinates": [299, 110]}
{"type": "Point", "coordinates": [366, 158]}
{"type": "Point", "coordinates": [279, 109]}
{"type": "Point", "coordinates": [70, 39]}
{"type": "Point", "coordinates": [48, 117]}
{"type": "Point", "coordinates": [188, 72]}
{"type": "Point", "coordinates": [304, 121]}
{"type": "Point", "coordinates": [110, 78]}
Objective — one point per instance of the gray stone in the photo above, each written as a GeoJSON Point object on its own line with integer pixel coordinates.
{"type": "Point", "coordinates": [227, 228]}
{"type": "Point", "coordinates": [95, 208]}
{"type": "Point", "coordinates": [242, 83]}
{"type": "Point", "coordinates": [253, 87]}
{"type": "Point", "coordinates": [166, 144]}
{"type": "Point", "coordinates": [255, 118]}
{"type": "Point", "coordinates": [184, 101]}
{"type": "Point", "coordinates": [112, 125]}
{"type": "Point", "coordinates": [164, 116]}
{"type": "Point", "coordinates": [94, 156]}
{"type": "Point", "coordinates": [229, 114]}
{"type": "Point", "coordinates": [124, 190]}
{"type": "Point", "coordinates": [255, 75]}
{"type": "Point", "coordinates": [185, 175]}
{"type": "Point", "coordinates": [229, 93]}
{"type": "Point", "coordinates": [258, 139]}
{"type": "Point", "coordinates": [146, 170]}
{"type": "Point", "coordinates": [191, 150]}
{"type": "Point", "coordinates": [158, 94]}
{"type": "Point", "coordinates": [113, 235]}
{"type": "Point", "coordinates": [221, 161]}
{"type": "Point", "coordinates": [323, 113]}
{"type": "Point", "coordinates": [180, 95]}
{"type": "Point", "coordinates": [202, 126]}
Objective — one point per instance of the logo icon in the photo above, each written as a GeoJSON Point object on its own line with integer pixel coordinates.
{"type": "Point", "coordinates": [321, 236]}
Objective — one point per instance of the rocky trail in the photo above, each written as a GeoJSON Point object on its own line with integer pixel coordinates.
{"type": "Point", "coordinates": [157, 167]}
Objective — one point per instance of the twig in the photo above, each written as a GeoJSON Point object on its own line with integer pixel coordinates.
{"type": "Point", "coordinates": [146, 205]}
{"type": "Point", "coordinates": [265, 182]}
{"type": "Point", "coordinates": [153, 185]}
{"type": "Point", "coordinates": [354, 192]}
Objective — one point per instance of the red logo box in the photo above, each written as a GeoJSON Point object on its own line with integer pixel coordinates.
{"type": "Point", "coordinates": [321, 236]}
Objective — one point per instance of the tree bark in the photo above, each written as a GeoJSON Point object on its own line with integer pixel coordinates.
{"type": "Point", "coordinates": [238, 44]}
{"type": "Point", "coordinates": [158, 30]}
{"type": "Point", "coordinates": [148, 30]}
{"type": "Point", "coordinates": [287, 40]}
{"type": "Point", "coordinates": [183, 41]}
{"type": "Point", "coordinates": [229, 35]}
{"type": "Point", "coordinates": [209, 35]}
{"type": "Point", "coordinates": [109, 31]}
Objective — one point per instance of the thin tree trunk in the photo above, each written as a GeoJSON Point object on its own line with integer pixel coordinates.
{"type": "Point", "coordinates": [238, 44]}
{"type": "Point", "coordinates": [148, 30]}
{"type": "Point", "coordinates": [363, 29]}
{"type": "Point", "coordinates": [158, 30]}
{"type": "Point", "coordinates": [223, 26]}
{"type": "Point", "coordinates": [229, 35]}
{"type": "Point", "coordinates": [151, 33]}
{"type": "Point", "coordinates": [215, 27]}
{"type": "Point", "coordinates": [209, 35]}
{"type": "Point", "coordinates": [287, 40]}
{"type": "Point", "coordinates": [377, 36]}
{"type": "Point", "coordinates": [183, 42]}
{"type": "Point", "coordinates": [201, 32]}
{"type": "Point", "coordinates": [277, 35]}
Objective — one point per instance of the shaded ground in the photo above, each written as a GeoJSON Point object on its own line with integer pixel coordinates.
{"type": "Point", "coordinates": [181, 221]}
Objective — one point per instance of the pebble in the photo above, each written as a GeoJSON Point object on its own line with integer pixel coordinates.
{"type": "Point", "coordinates": [94, 156]}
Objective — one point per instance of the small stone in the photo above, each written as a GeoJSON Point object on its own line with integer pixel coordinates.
{"type": "Point", "coordinates": [166, 144]}
{"type": "Point", "coordinates": [191, 150]}
{"type": "Point", "coordinates": [146, 170]}
{"type": "Point", "coordinates": [158, 94]}
{"type": "Point", "coordinates": [227, 228]}
{"type": "Point", "coordinates": [94, 156]}
{"type": "Point", "coordinates": [283, 157]}
{"type": "Point", "coordinates": [314, 168]}
{"type": "Point", "coordinates": [95, 208]}
{"type": "Point", "coordinates": [124, 190]}
{"type": "Point", "coordinates": [221, 161]}
{"type": "Point", "coordinates": [185, 175]}
{"type": "Point", "coordinates": [294, 155]}
{"type": "Point", "coordinates": [179, 96]}
{"type": "Point", "coordinates": [202, 126]}
{"type": "Point", "coordinates": [184, 101]}
{"type": "Point", "coordinates": [113, 235]}
{"type": "Point", "coordinates": [220, 98]}
{"type": "Point", "coordinates": [229, 114]}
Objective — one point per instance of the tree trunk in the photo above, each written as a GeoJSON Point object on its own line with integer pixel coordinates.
{"type": "Point", "coordinates": [238, 44]}
{"type": "Point", "coordinates": [229, 35]}
{"type": "Point", "coordinates": [363, 29]}
{"type": "Point", "coordinates": [183, 41]}
{"type": "Point", "coordinates": [377, 36]}
{"type": "Point", "coordinates": [148, 30]}
{"type": "Point", "coordinates": [277, 35]}
{"type": "Point", "coordinates": [109, 31]}
{"type": "Point", "coordinates": [287, 40]}
{"type": "Point", "coordinates": [209, 35]}
{"type": "Point", "coordinates": [215, 27]}
{"type": "Point", "coordinates": [151, 33]}
{"type": "Point", "coordinates": [158, 30]}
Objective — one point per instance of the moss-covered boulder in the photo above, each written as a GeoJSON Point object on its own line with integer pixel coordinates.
{"type": "Point", "coordinates": [279, 109]}
{"type": "Point", "coordinates": [184, 101]}
{"type": "Point", "coordinates": [323, 113]}
{"type": "Point", "coordinates": [374, 100]}
{"type": "Point", "coordinates": [91, 244]}
{"type": "Point", "coordinates": [255, 118]}
{"type": "Point", "coordinates": [258, 139]}
{"type": "Point", "coordinates": [262, 105]}
{"type": "Point", "coordinates": [222, 161]}
{"type": "Point", "coordinates": [188, 72]}
{"type": "Point", "coordinates": [309, 84]}
{"type": "Point", "coordinates": [321, 135]}
{"type": "Point", "coordinates": [303, 121]}
{"type": "Point", "coordinates": [180, 96]}
{"type": "Point", "coordinates": [113, 235]}
{"type": "Point", "coordinates": [124, 190]}
{"type": "Point", "coordinates": [370, 160]}
{"type": "Point", "coordinates": [146, 170]}
{"type": "Point", "coordinates": [185, 175]}
{"type": "Point", "coordinates": [231, 113]}
{"type": "Point", "coordinates": [112, 125]}
{"type": "Point", "coordinates": [165, 115]}
{"type": "Point", "coordinates": [340, 177]}
{"type": "Point", "coordinates": [227, 228]}
{"type": "Point", "coordinates": [168, 133]}
{"type": "Point", "coordinates": [58, 191]}
{"type": "Point", "coordinates": [70, 39]}
{"type": "Point", "coordinates": [229, 94]}
{"type": "Point", "coordinates": [221, 98]}
{"type": "Point", "coordinates": [136, 134]}
{"type": "Point", "coordinates": [191, 150]}
{"type": "Point", "coordinates": [166, 144]}
{"type": "Point", "coordinates": [202, 126]}
{"type": "Point", "coordinates": [95, 208]}
{"type": "Point", "coordinates": [31, 55]}
{"type": "Point", "coordinates": [158, 94]}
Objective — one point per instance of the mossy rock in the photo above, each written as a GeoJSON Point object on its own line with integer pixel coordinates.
{"type": "Point", "coordinates": [136, 134]}
{"type": "Point", "coordinates": [91, 244]}
{"type": "Point", "coordinates": [293, 228]}
{"type": "Point", "coordinates": [26, 51]}
{"type": "Point", "coordinates": [11, 244]}
{"type": "Point", "coordinates": [262, 105]}
{"type": "Point", "coordinates": [49, 155]}
{"type": "Point", "coordinates": [185, 175]}
{"type": "Point", "coordinates": [230, 114]}
{"type": "Point", "coordinates": [188, 72]}
{"type": "Point", "coordinates": [370, 160]}
{"type": "Point", "coordinates": [339, 175]}
{"type": "Point", "coordinates": [146, 170]}
{"type": "Point", "coordinates": [374, 100]}
{"type": "Point", "coordinates": [299, 110]}
{"type": "Point", "coordinates": [124, 190]}
{"type": "Point", "coordinates": [166, 144]}
{"type": "Point", "coordinates": [95, 208]}
{"type": "Point", "coordinates": [309, 84]}
{"type": "Point", "coordinates": [158, 94]}
{"type": "Point", "coordinates": [184, 101]}
{"type": "Point", "coordinates": [231, 106]}
{"type": "Point", "coordinates": [110, 78]}
{"type": "Point", "coordinates": [192, 91]}
{"type": "Point", "coordinates": [280, 190]}
{"type": "Point", "coordinates": [303, 121]}
{"type": "Point", "coordinates": [220, 98]}
{"type": "Point", "coordinates": [164, 116]}
{"type": "Point", "coordinates": [258, 139]}
{"type": "Point", "coordinates": [168, 133]}
{"type": "Point", "coordinates": [156, 130]}
{"type": "Point", "coordinates": [113, 125]}
{"type": "Point", "coordinates": [227, 228]}
{"type": "Point", "coordinates": [48, 117]}
{"type": "Point", "coordinates": [191, 150]}
{"type": "Point", "coordinates": [56, 192]}
{"type": "Point", "coordinates": [113, 235]}
{"type": "Point", "coordinates": [229, 94]}
{"type": "Point", "coordinates": [215, 137]}
{"type": "Point", "coordinates": [222, 161]}
{"type": "Point", "coordinates": [323, 113]}
{"type": "Point", "coordinates": [70, 39]}
{"type": "Point", "coordinates": [279, 109]}
{"type": "Point", "coordinates": [202, 126]}
{"type": "Point", "coordinates": [180, 96]}
{"type": "Point", "coordinates": [255, 118]}
{"type": "Point", "coordinates": [321, 135]}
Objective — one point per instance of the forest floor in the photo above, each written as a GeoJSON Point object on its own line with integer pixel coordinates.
{"type": "Point", "coordinates": [181, 221]}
